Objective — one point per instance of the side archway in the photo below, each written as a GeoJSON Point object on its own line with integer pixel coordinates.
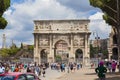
{"type": "Point", "coordinates": [79, 55]}
{"type": "Point", "coordinates": [43, 56]}
{"type": "Point", "coordinates": [115, 53]}
{"type": "Point", "coordinates": [115, 39]}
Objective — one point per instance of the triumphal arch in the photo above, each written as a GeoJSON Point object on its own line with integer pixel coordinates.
{"type": "Point", "coordinates": [61, 41]}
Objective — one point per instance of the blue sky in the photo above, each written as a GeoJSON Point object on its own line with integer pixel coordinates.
{"type": "Point", "coordinates": [21, 14]}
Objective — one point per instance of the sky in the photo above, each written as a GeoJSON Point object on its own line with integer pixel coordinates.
{"type": "Point", "coordinates": [21, 14]}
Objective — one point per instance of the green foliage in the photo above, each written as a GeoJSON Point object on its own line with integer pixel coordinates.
{"type": "Point", "coordinates": [21, 46]}
{"type": "Point", "coordinates": [105, 53]}
{"type": "Point", "coordinates": [31, 47]}
{"type": "Point", "coordinates": [58, 58]}
{"type": "Point", "coordinates": [4, 53]}
{"type": "Point", "coordinates": [13, 51]}
{"type": "Point", "coordinates": [93, 51]}
{"type": "Point", "coordinates": [109, 8]}
{"type": "Point", "coordinates": [13, 46]}
{"type": "Point", "coordinates": [8, 52]}
{"type": "Point", "coordinates": [4, 5]}
{"type": "Point", "coordinates": [3, 23]}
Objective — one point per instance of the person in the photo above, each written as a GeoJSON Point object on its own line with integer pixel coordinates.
{"type": "Point", "coordinates": [28, 69]}
{"type": "Point", "coordinates": [101, 70]}
{"type": "Point", "coordinates": [81, 64]}
{"type": "Point", "coordinates": [78, 66]}
{"type": "Point", "coordinates": [12, 68]}
{"type": "Point", "coordinates": [109, 67]}
{"type": "Point", "coordinates": [114, 64]}
{"type": "Point", "coordinates": [63, 67]}
{"type": "Point", "coordinates": [74, 67]}
{"type": "Point", "coordinates": [1, 69]}
{"type": "Point", "coordinates": [43, 70]}
{"type": "Point", "coordinates": [17, 69]}
{"type": "Point", "coordinates": [71, 66]}
{"type": "Point", "coordinates": [7, 68]}
{"type": "Point", "coordinates": [37, 70]}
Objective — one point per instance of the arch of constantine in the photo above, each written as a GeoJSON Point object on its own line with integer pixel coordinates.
{"type": "Point", "coordinates": [61, 40]}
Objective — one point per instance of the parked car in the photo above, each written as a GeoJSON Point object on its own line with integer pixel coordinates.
{"type": "Point", "coordinates": [18, 76]}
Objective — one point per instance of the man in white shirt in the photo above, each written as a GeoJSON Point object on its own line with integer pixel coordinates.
{"type": "Point", "coordinates": [2, 69]}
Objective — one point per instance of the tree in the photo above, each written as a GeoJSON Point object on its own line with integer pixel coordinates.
{"type": "Point", "coordinates": [4, 53]}
{"type": "Point", "coordinates": [31, 47]}
{"type": "Point", "coordinates": [4, 5]}
{"type": "Point", "coordinates": [21, 46]}
{"type": "Point", "coordinates": [93, 51]}
{"type": "Point", "coordinates": [13, 51]}
{"type": "Point", "coordinates": [111, 10]}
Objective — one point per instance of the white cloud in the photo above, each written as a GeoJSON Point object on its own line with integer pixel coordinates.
{"type": "Point", "coordinates": [21, 15]}
{"type": "Point", "coordinates": [99, 26]}
{"type": "Point", "coordinates": [98, 15]}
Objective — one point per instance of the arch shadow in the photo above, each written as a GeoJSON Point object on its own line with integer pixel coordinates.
{"type": "Point", "coordinates": [109, 76]}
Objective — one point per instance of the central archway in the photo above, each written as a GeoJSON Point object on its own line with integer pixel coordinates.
{"type": "Point", "coordinates": [61, 52]}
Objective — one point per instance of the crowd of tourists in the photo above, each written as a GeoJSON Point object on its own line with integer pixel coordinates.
{"type": "Point", "coordinates": [63, 66]}
{"type": "Point", "coordinates": [27, 67]}
{"type": "Point", "coordinates": [112, 65]}
{"type": "Point", "coordinates": [39, 69]}
{"type": "Point", "coordinates": [105, 66]}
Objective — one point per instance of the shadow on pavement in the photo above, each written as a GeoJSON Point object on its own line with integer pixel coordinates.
{"type": "Point", "coordinates": [90, 74]}
{"type": "Point", "coordinates": [109, 74]}
{"type": "Point", "coordinates": [111, 78]}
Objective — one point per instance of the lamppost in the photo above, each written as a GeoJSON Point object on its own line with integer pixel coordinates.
{"type": "Point", "coordinates": [98, 46]}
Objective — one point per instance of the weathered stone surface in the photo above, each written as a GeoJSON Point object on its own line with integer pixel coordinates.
{"type": "Point", "coordinates": [61, 37]}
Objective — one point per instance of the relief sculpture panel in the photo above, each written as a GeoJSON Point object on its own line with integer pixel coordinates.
{"type": "Point", "coordinates": [81, 41]}
{"type": "Point", "coordinates": [78, 41]}
{"type": "Point", "coordinates": [44, 40]}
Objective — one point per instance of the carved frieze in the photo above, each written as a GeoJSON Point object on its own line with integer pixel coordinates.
{"type": "Point", "coordinates": [61, 26]}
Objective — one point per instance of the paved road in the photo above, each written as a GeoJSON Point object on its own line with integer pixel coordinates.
{"type": "Point", "coordinates": [88, 74]}
{"type": "Point", "coordinates": [82, 74]}
{"type": "Point", "coordinates": [52, 74]}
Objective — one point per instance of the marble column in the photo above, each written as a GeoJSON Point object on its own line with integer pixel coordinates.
{"type": "Point", "coordinates": [71, 55]}
{"type": "Point", "coordinates": [86, 50]}
{"type": "Point", "coordinates": [51, 55]}
{"type": "Point", "coordinates": [36, 52]}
